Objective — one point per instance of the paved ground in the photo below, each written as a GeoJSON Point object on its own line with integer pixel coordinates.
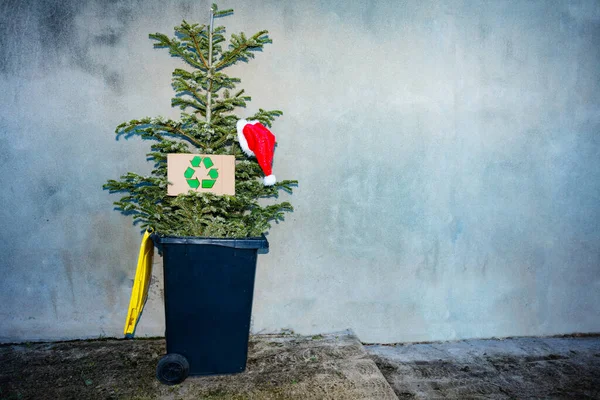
{"type": "Point", "coordinates": [279, 367]}
{"type": "Point", "coordinates": [524, 368]}
{"type": "Point", "coordinates": [318, 367]}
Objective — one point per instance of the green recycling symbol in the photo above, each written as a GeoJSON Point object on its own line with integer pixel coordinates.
{"type": "Point", "coordinates": [213, 174]}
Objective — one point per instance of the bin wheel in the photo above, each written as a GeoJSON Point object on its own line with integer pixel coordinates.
{"type": "Point", "coordinates": [172, 369]}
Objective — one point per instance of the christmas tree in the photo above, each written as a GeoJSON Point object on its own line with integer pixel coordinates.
{"type": "Point", "coordinates": [207, 98]}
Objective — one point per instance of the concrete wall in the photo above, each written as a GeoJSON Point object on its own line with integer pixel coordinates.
{"type": "Point", "coordinates": [448, 154]}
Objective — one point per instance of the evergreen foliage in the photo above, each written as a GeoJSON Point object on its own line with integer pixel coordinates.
{"type": "Point", "coordinates": [207, 98]}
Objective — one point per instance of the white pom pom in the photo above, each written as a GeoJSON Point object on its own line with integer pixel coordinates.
{"type": "Point", "coordinates": [269, 180]}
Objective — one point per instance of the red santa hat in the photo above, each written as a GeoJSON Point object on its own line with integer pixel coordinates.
{"type": "Point", "coordinates": [256, 140]}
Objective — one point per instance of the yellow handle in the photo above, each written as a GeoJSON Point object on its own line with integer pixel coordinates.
{"type": "Point", "coordinates": [141, 283]}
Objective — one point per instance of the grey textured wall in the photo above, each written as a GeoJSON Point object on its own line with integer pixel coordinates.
{"type": "Point", "coordinates": [448, 154]}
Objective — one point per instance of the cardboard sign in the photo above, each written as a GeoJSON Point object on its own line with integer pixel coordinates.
{"type": "Point", "coordinates": [202, 173]}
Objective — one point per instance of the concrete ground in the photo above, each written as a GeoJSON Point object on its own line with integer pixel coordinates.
{"type": "Point", "coordinates": [523, 368]}
{"type": "Point", "coordinates": [335, 366]}
{"type": "Point", "coordinates": [279, 367]}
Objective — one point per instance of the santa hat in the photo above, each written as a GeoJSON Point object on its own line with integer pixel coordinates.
{"type": "Point", "coordinates": [256, 140]}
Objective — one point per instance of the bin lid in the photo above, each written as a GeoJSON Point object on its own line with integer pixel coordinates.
{"type": "Point", "coordinates": [237, 243]}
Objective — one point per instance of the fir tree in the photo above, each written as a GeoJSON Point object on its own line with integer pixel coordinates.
{"type": "Point", "coordinates": [207, 98]}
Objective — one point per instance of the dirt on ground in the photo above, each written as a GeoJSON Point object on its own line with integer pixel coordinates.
{"type": "Point", "coordinates": [523, 368]}
{"type": "Point", "coordinates": [279, 367]}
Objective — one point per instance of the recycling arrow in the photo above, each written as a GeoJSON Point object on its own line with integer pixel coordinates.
{"type": "Point", "coordinates": [212, 173]}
